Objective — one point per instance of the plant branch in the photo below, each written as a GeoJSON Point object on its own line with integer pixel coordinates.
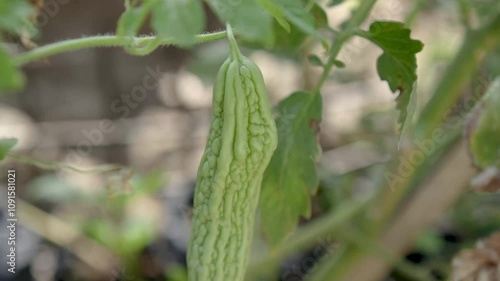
{"type": "Point", "coordinates": [104, 41]}
{"type": "Point", "coordinates": [476, 45]}
{"type": "Point", "coordinates": [419, 213]}
{"type": "Point", "coordinates": [343, 36]}
{"type": "Point", "coordinates": [70, 238]}
{"type": "Point", "coordinates": [309, 235]}
{"type": "Point", "coordinates": [61, 166]}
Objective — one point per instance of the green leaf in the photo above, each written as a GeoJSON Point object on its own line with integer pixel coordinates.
{"type": "Point", "coordinates": [247, 17]}
{"type": "Point", "coordinates": [315, 60]}
{"type": "Point", "coordinates": [180, 20]}
{"type": "Point", "coordinates": [136, 234]}
{"type": "Point", "coordinates": [397, 65]}
{"type": "Point", "coordinates": [6, 146]}
{"type": "Point", "coordinates": [291, 176]}
{"type": "Point", "coordinates": [276, 12]}
{"type": "Point", "coordinates": [483, 129]}
{"type": "Point", "coordinates": [339, 63]}
{"type": "Point", "coordinates": [296, 13]}
{"type": "Point", "coordinates": [131, 21]}
{"type": "Point", "coordinates": [14, 15]}
{"type": "Point", "coordinates": [289, 41]}
{"type": "Point", "coordinates": [11, 79]}
{"type": "Point", "coordinates": [332, 3]}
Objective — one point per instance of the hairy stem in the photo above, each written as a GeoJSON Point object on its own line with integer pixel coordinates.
{"type": "Point", "coordinates": [104, 41]}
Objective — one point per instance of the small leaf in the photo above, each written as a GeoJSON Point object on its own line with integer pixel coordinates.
{"type": "Point", "coordinates": [180, 20]}
{"type": "Point", "coordinates": [397, 65]}
{"type": "Point", "coordinates": [248, 19]}
{"type": "Point", "coordinates": [320, 17]}
{"type": "Point", "coordinates": [315, 60]}
{"type": "Point", "coordinates": [6, 146]}
{"type": "Point", "coordinates": [483, 129]}
{"type": "Point", "coordinates": [339, 64]}
{"type": "Point", "coordinates": [332, 3]}
{"type": "Point", "coordinates": [291, 176]}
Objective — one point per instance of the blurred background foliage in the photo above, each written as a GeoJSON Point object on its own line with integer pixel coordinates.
{"type": "Point", "coordinates": [131, 223]}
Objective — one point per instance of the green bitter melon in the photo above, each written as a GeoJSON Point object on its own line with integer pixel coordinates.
{"type": "Point", "coordinates": [240, 144]}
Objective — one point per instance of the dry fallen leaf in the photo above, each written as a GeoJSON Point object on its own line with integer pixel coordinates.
{"type": "Point", "coordinates": [479, 264]}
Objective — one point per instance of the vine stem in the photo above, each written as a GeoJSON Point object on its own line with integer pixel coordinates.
{"type": "Point", "coordinates": [104, 41]}
{"type": "Point", "coordinates": [62, 166]}
{"type": "Point", "coordinates": [308, 236]}
{"type": "Point", "coordinates": [353, 24]}
{"type": "Point", "coordinates": [235, 51]}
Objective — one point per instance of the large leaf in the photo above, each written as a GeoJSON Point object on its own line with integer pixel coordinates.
{"type": "Point", "coordinates": [247, 17]}
{"type": "Point", "coordinates": [6, 146]}
{"type": "Point", "coordinates": [291, 175]}
{"type": "Point", "coordinates": [180, 20]}
{"type": "Point", "coordinates": [397, 65]}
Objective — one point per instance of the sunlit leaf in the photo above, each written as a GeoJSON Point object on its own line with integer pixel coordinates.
{"type": "Point", "coordinates": [397, 65]}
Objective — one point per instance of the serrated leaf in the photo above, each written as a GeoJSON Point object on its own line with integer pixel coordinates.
{"type": "Point", "coordinates": [180, 20]}
{"type": "Point", "coordinates": [397, 65]}
{"type": "Point", "coordinates": [247, 18]}
{"type": "Point", "coordinates": [6, 146]}
{"type": "Point", "coordinates": [483, 129]}
{"type": "Point", "coordinates": [131, 21]}
{"type": "Point", "coordinates": [14, 15]}
{"type": "Point", "coordinates": [11, 79]}
{"type": "Point", "coordinates": [291, 176]}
